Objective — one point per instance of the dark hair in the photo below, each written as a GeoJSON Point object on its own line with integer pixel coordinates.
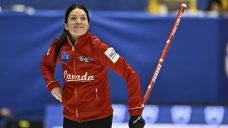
{"type": "Point", "coordinates": [63, 36]}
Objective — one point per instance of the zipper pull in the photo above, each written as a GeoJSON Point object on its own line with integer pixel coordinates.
{"type": "Point", "coordinates": [96, 94]}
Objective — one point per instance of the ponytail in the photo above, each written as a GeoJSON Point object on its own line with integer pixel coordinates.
{"type": "Point", "coordinates": [61, 42]}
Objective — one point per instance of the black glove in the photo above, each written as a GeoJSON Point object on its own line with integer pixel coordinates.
{"type": "Point", "coordinates": [136, 122]}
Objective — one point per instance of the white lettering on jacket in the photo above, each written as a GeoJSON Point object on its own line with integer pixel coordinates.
{"type": "Point", "coordinates": [74, 77]}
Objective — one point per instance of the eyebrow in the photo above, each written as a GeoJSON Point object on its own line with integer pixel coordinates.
{"type": "Point", "coordinates": [76, 15]}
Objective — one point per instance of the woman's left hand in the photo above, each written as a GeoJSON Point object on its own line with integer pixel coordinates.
{"type": "Point", "coordinates": [136, 122]}
{"type": "Point", "coordinates": [57, 93]}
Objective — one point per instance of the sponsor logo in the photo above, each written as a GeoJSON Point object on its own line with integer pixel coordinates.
{"type": "Point", "coordinates": [85, 59]}
{"type": "Point", "coordinates": [214, 114]}
{"type": "Point", "coordinates": [112, 55]}
{"type": "Point", "coordinates": [74, 77]}
{"type": "Point", "coordinates": [181, 114]}
{"type": "Point", "coordinates": [65, 56]}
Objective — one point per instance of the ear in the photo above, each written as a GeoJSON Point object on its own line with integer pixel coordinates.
{"type": "Point", "coordinates": [66, 26]}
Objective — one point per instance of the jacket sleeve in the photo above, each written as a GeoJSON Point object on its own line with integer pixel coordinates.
{"type": "Point", "coordinates": [48, 68]}
{"type": "Point", "coordinates": [109, 58]}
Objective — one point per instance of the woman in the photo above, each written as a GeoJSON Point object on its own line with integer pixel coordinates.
{"type": "Point", "coordinates": [85, 61]}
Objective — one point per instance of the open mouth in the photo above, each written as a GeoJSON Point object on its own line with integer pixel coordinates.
{"type": "Point", "coordinates": [78, 26]}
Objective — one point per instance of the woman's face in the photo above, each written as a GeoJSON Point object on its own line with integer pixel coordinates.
{"type": "Point", "coordinates": [77, 24]}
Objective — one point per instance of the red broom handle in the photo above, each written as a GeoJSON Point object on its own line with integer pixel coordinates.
{"type": "Point", "coordinates": [164, 52]}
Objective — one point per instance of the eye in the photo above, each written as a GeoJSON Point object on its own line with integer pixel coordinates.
{"type": "Point", "coordinates": [73, 18]}
{"type": "Point", "coordinates": [83, 18]}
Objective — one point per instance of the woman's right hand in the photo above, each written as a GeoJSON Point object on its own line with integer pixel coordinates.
{"type": "Point", "coordinates": [57, 93]}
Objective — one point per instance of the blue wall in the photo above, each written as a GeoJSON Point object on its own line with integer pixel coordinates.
{"type": "Point", "coordinates": [193, 72]}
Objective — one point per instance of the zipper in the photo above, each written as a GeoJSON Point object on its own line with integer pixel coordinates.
{"type": "Point", "coordinates": [76, 96]}
{"type": "Point", "coordinates": [96, 94]}
{"type": "Point", "coordinates": [71, 43]}
{"type": "Point", "coordinates": [75, 91]}
{"type": "Point", "coordinates": [74, 68]}
{"type": "Point", "coordinates": [77, 113]}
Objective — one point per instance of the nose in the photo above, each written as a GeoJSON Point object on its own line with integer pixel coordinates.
{"type": "Point", "coordinates": [77, 20]}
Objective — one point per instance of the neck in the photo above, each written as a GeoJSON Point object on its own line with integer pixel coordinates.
{"type": "Point", "coordinates": [73, 39]}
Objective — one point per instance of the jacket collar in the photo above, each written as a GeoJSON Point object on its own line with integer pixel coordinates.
{"type": "Point", "coordinates": [80, 41]}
